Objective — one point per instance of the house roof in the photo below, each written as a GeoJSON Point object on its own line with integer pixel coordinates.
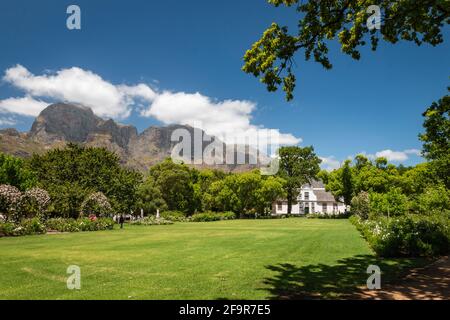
{"type": "Point", "coordinates": [317, 184]}
{"type": "Point", "coordinates": [323, 196]}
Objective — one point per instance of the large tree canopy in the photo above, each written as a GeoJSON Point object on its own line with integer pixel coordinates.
{"type": "Point", "coordinates": [297, 166]}
{"type": "Point", "coordinates": [272, 57]}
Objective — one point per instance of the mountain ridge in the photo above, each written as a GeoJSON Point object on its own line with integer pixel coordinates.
{"type": "Point", "coordinates": [61, 123]}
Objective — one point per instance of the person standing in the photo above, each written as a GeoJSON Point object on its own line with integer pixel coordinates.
{"type": "Point", "coordinates": [121, 221]}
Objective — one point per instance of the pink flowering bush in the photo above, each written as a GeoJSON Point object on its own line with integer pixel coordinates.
{"type": "Point", "coordinates": [35, 203]}
{"type": "Point", "coordinates": [10, 201]}
{"type": "Point", "coordinates": [96, 204]}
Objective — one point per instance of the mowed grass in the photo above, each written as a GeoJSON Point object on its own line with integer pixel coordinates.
{"type": "Point", "coordinates": [242, 259]}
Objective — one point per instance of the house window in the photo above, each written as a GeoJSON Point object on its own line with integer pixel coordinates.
{"type": "Point", "coordinates": [306, 195]}
{"type": "Point", "coordinates": [313, 207]}
{"type": "Point", "coordinates": [335, 207]}
{"type": "Point", "coordinates": [279, 206]}
{"type": "Point", "coordinates": [324, 207]}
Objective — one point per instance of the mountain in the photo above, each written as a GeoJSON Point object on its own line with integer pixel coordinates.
{"type": "Point", "coordinates": [61, 123]}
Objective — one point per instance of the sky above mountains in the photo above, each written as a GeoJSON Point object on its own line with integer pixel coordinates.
{"type": "Point", "coordinates": [156, 62]}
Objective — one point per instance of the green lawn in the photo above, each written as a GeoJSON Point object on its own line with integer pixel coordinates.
{"type": "Point", "coordinates": [242, 259]}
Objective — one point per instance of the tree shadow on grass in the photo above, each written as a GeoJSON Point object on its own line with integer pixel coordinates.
{"type": "Point", "coordinates": [321, 281]}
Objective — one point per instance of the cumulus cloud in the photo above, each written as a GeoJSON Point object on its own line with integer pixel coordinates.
{"type": "Point", "coordinates": [228, 119]}
{"type": "Point", "coordinates": [74, 85]}
{"type": "Point", "coordinates": [397, 156]}
{"type": "Point", "coordinates": [330, 163]}
{"type": "Point", "coordinates": [27, 106]}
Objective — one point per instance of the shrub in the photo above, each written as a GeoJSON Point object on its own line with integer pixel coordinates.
{"type": "Point", "coordinates": [82, 224]}
{"type": "Point", "coordinates": [392, 203]}
{"type": "Point", "coordinates": [97, 203]}
{"type": "Point", "coordinates": [213, 216]}
{"type": "Point", "coordinates": [25, 227]}
{"type": "Point", "coordinates": [33, 226]}
{"type": "Point", "coordinates": [361, 205]}
{"type": "Point", "coordinates": [10, 200]}
{"type": "Point", "coordinates": [151, 221]}
{"type": "Point", "coordinates": [177, 216]}
{"type": "Point", "coordinates": [35, 203]}
{"type": "Point", "coordinates": [409, 235]}
{"type": "Point", "coordinates": [337, 215]}
{"type": "Point", "coordinates": [434, 200]}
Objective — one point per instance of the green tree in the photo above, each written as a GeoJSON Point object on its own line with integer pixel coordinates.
{"type": "Point", "coordinates": [272, 57]}
{"type": "Point", "coordinates": [436, 138]}
{"type": "Point", "coordinates": [13, 171]}
{"type": "Point", "coordinates": [271, 189]}
{"type": "Point", "coordinates": [73, 173]}
{"type": "Point", "coordinates": [297, 167]}
{"type": "Point", "coordinates": [347, 183]}
{"type": "Point", "coordinates": [150, 198]}
{"type": "Point", "coordinates": [175, 181]}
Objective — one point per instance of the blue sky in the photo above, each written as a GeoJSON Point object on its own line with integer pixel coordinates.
{"type": "Point", "coordinates": [184, 47]}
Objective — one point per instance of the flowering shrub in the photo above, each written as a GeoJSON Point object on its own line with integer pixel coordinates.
{"type": "Point", "coordinates": [10, 201]}
{"type": "Point", "coordinates": [213, 216]}
{"type": "Point", "coordinates": [337, 215]}
{"type": "Point", "coordinates": [77, 225]}
{"type": "Point", "coordinates": [97, 203]}
{"type": "Point", "coordinates": [25, 227]}
{"type": "Point", "coordinates": [150, 221]}
{"type": "Point", "coordinates": [35, 203]}
{"type": "Point", "coordinates": [409, 235]}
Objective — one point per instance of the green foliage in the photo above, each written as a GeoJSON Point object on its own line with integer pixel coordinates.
{"type": "Point", "coordinates": [14, 172]}
{"type": "Point", "coordinates": [175, 184]}
{"type": "Point", "coordinates": [434, 200]}
{"type": "Point", "coordinates": [73, 173]}
{"type": "Point", "coordinates": [149, 197]}
{"type": "Point", "coordinates": [297, 167]}
{"type": "Point", "coordinates": [272, 57]}
{"type": "Point", "coordinates": [328, 215]}
{"type": "Point", "coordinates": [213, 216]}
{"type": "Point", "coordinates": [409, 235]}
{"type": "Point", "coordinates": [360, 205]}
{"type": "Point", "coordinates": [22, 228]}
{"type": "Point", "coordinates": [392, 203]}
{"type": "Point", "coordinates": [78, 225]}
{"type": "Point", "coordinates": [436, 139]}
{"type": "Point", "coordinates": [176, 216]}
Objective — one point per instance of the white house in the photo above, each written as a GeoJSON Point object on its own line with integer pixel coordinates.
{"type": "Point", "coordinates": [313, 198]}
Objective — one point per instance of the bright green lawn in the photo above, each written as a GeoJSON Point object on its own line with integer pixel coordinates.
{"type": "Point", "coordinates": [242, 259]}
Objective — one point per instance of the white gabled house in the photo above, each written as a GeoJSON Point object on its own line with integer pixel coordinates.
{"type": "Point", "coordinates": [313, 198]}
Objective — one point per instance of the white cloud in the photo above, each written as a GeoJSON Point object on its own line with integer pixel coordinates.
{"type": "Point", "coordinates": [330, 163]}
{"type": "Point", "coordinates": [227, 119]}
{"type": "Point", "coordinates": [26, 106]}
{"type": "Point", "coordinates": [78, 86]}
{"type": "Point", "coordinates": [391, 155]}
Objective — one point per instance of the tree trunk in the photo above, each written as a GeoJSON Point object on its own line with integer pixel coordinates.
{"type": "Point", "coordinates": [289, 201]}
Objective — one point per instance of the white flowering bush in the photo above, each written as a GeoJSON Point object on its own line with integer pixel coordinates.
{"type": "Point", "coordinates": [10, 202]}
{"type": "Point", "coordinates": [96, 204]}
{"type": "Point", "coordinates": [35, 203]}
{"type": "Point", "coordinates": [409, 235]}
